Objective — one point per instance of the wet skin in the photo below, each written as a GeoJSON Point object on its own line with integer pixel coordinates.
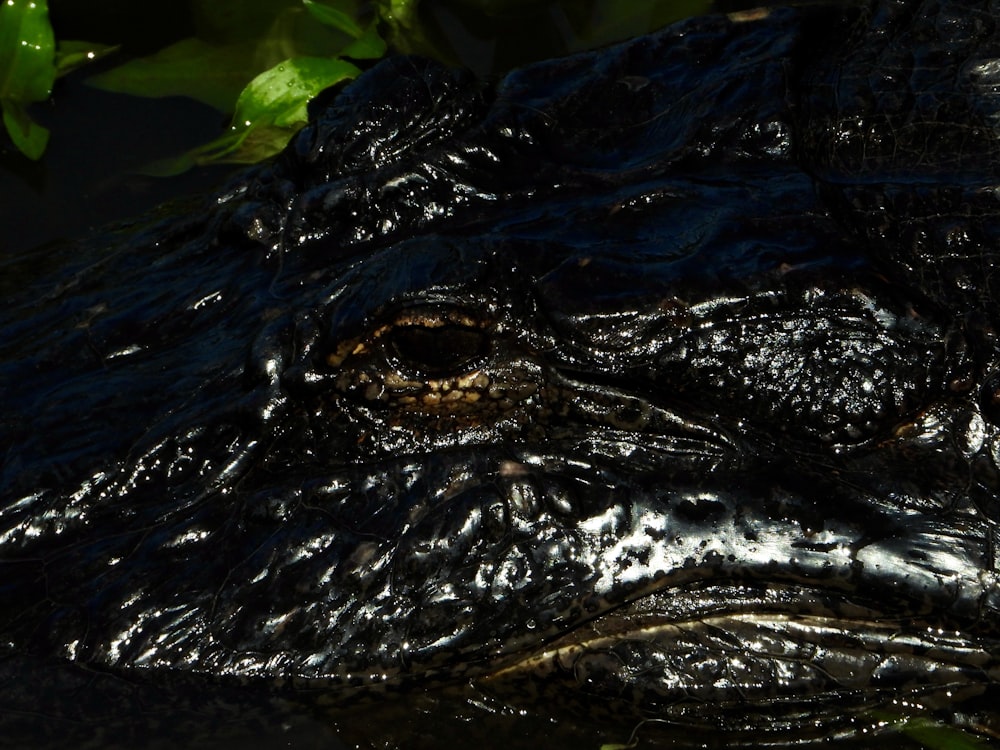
{"type": "Point", "coordinates": [661, 378]}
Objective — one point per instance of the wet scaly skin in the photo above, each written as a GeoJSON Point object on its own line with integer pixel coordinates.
{"type": "Point", "coordinates": [647, 379]}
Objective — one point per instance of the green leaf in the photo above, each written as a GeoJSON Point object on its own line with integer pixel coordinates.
{"type": "Point", "coordinates": [338, 19]}
{"type": "Point", "coordinates": [405, 32]}
{"type": "Point", "coordinates": [226, 21]}
{"type": "Point", "coordinates": [27, 70]}
{"type": "Point", "coordinates": [279, 96]}
{"type": "Point", "coordinates": [213, 74]}
{"type": "Point", "coordinates": [403, 12]}
{"type": "Point", "coordinates": [216, 73]}
{"type": "Point", "coordinates": [369, 46]}
{"type": "Point", "coordinates": [400, 15]}
{"type": "Point", "coordinates": [245, 147]}
{"type": "Point", "coordinates": [70, 55]}
{"type": "Point", "coordinates": [27, 51]}
{"type": "Point", "coordinates": [931, 734]}
{"type": "Point", "coordinates": [934, 736]}
{"type": "Point", "coordinates": [271, 109]}
{"type": "Point", "coordinates": [29, 137]}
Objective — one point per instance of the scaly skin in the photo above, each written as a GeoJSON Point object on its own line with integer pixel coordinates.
{"type": "Point", "coordinates": [661, 378]}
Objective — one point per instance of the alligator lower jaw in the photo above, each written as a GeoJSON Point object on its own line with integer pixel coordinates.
{"type": "Point", "coordinates": [757, 660]}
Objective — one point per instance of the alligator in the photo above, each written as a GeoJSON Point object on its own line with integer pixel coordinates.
{"type": "Point", "coordinates": [657, 382]}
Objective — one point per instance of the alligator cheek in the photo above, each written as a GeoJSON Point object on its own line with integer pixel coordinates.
{"type": "Point", "coordinates": [482, 575]}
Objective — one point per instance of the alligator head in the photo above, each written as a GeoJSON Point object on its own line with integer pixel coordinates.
{"type": "Point", "coordinates": [662, 375]}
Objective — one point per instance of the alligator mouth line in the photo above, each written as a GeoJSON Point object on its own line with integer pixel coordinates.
{"type": "Point", "coordinates": [760, 652]}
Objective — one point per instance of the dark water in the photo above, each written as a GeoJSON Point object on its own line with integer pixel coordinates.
{"type": "Point", "coordinates": [87, 177]}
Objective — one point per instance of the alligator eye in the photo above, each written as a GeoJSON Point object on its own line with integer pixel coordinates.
{"type": "Point", "coordinates": [437, 349]}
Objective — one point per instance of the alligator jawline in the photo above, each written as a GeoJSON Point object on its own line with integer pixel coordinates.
{"type": "Point", "coordinates": [763, 651]}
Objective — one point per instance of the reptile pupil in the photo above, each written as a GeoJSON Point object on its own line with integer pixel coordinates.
{"type": "Point", "coordinates": [438, 350]}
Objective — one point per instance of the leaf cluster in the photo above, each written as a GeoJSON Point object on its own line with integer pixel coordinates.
{"type": "Point", "coordinates": [261, 61]}
{"type": "Point", "coordinates": [30, 61]}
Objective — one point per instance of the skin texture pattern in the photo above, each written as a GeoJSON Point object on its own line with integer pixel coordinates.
{"type": "Point", "coordinates": [659, 382]}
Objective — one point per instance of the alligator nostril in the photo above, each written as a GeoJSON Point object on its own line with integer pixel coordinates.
{"type": "Point", "coordinates": [437, 350]}
{"type": "Point", "coordinates": [700, 510]}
